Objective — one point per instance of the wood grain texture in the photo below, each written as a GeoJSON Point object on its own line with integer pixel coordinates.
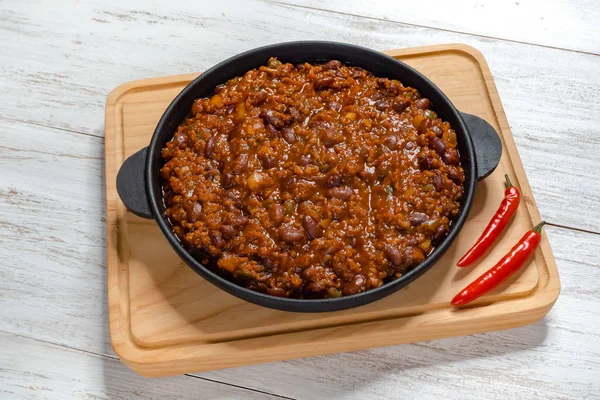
{"type": "Point", "coordinates": [58, 72]}
{"type": "Point", "coordinates": [31, 369]}
{"type": "Point", "coordinates": [565, 24]}
{"type": "Point", "coordinates": [53, 242]}
{"type": "Point", "coordinates": [59, 61]}
{"type": "Point", "coordinates": [165, 320]}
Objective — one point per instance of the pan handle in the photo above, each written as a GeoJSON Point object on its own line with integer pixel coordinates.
{"type": "Point", "coordinates": [488, 147]}
{"type": "Point", "coordinates": [131, 185]}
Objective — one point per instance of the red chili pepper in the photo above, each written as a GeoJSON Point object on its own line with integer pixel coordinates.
{"type": "Point", "coordinates": [507, 208]}
{"type": "Point", "coordinates": [508, 265]}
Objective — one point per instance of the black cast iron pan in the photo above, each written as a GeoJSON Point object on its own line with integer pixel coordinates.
{"type": "Point", "coordinates": [139, 184]}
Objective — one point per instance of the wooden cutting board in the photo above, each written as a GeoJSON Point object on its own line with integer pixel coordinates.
{"type": "Point", "coordinates": [167, 320]}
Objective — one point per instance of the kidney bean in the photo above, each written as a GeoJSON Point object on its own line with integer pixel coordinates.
{"type": "Point", "coordinates": [426, 163]}
{"type": "Point", "coordinates": [228, 231]}
{"type": "Point", "coordinates": [289, 135]}
{"type": "Point", "coordinates": [316, 286]}
{"type": "Point", "coordinates": [295, 115]}
{"type": "Point", "coordinates": [210, 146]}
{"type": "Point", "coordinates": [331, 137]}
{"type": "Point", "coordinates": [270, 117]}
{"type": "Point", "coordinates": [393, 254]}
{"type": "Point", "coordinates": [227, 180]}
{"type": "Point", "coordinates": [276, 212]}
{"type": "Point", "coordinates": [343, 192]}
{"type": "Point", "coordinates": [216, 239]}
{"type": "Point", "coordinates": [271, 131]}
{"type": "Point", "coordinates": [334, 180]}
{"type": "Point", "coordinates": [437, 182]}
{"type": "Point", "coordinates": [413, 255]}
{"type": "Point", "coordinates": [423, 103]}
{"type": "Point", "coordinates": [417, 218]}
{"type": "Point", "coordinates": [304, 160]}
{"type": "Point", "coordinates": [333, 64]}
{"type": "Point", "coordinates": [287, 182]}
{"type": "Point", "coordinates": [324, 82]}
{"type": "Point", "coordinates": [440, 232]}
{"type": "Point", "coordinates": [269, 161]}
{"type": "Point", "coordinates": [451, 157]}
{"type": "Point", "coordinates": [438, 131]}
{"type": "Point", "coordinates": [169, 197]}
{"type": "Point", "coordinates": [438, 145]}
{"type": "Point", "coordinates": [425, 124]}
{"type": "Point", "coordinates": [357, 285]}
{"type": "Point", "coordinates": [334, 105]}
{"type": "Point", "coordinates": [453, 174]}
{"type": "Point", "coordinates": [311, 272]}
{"type": "Point", "coordinates": [391, 142]}
{"type": "Point", "coordinates": [400, 104]}
{"type": "Point", "coordinates": [290, 234]}
{"type": "Point", "coordinates": [381, 105]}
{"type": "Point", "coordinates": [193, 211]}
{"type": "Point", "coordinates": [257, 98]}
{"type": "Point", "coordinates": [236, 220]}
{"type": "Point", "coordinates": [312, 227]}
{"type": "Point", "coordinates": [241, 163]}
{"type": "Point", "coordinates": [318, 123]}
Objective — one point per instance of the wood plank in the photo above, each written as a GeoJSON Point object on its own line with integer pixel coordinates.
{"type": "Point", "coordinates": [31, 369]}
{"type": "Point", "coordinates": [565, 24]}
{"type": "Point", "coordinates": [52, 230]}
{"type": "Point", "coordinates": [69, 63]}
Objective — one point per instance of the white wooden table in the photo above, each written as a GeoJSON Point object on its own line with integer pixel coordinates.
{"type": "Point", "coordinates": [60, 59]}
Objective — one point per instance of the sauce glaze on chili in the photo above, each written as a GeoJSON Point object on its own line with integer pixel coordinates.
{"type": "Point", "coordinates": [312, 181]}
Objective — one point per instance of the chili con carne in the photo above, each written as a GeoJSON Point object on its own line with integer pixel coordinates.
{"type": "Point", "coordinates": [312, 181]}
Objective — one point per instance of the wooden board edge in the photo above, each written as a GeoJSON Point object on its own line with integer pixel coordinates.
{"type": "Point", "coordinates": [192, 358]}
{"type": "Point", "coordinates": [115, 317]}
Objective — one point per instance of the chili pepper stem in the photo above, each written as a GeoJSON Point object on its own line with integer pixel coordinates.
{"type": "Point", "coordinates": [538, 227]}
{"type": "Point", "coordinates": [508, 182]}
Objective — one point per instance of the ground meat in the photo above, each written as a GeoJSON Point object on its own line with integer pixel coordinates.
{"type": "Point", "coordinates": [312, 181]}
